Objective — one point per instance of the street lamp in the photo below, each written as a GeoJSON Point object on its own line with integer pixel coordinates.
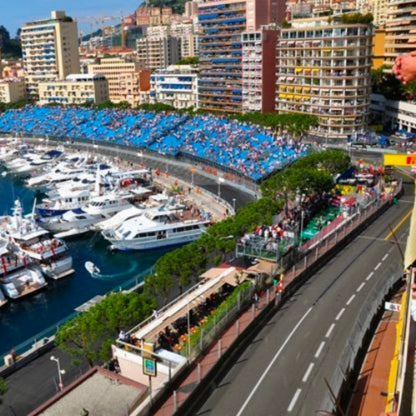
{"type": "Point", "coordinates": [234, 204]}
{"type": "Point", "coordinates": [192, 176]}
{"type": "Point", "coordinates": [140, 154]}
{"type": "Point", "coordinates": [220, 180]}
{"type": "Point", "coordinates": [60, 371]}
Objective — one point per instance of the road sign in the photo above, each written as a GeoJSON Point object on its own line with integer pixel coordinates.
{"type": "Point", "coordinates": [395, 307]}
{"type": "Point", "coordinates": [149, 367]}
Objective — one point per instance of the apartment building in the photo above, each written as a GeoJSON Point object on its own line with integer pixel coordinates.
{"type": "Point", "coordinates": [400, 29]}
{"type": "Point", "coordinates": [259, 69]}
{"type": "Point", "coordinates": [50, 50]}
{"type": "Point", "coordinates": [379, 11]}
{"type": "Point", "coordinates": [153, 16]}
{"type": "Point", "coordinates": [158, 50]}
{"type": "Point", "coordinates": [324, 69]}
{"type": "Point", "coordinates": [176, 85]}
{"type": "Point", "coordinates": [221, 26]}
{"type": "Point", "coordinates": [125, 79]}
{"type": "Point", "coordinates": [12, 90]}
{"type": "Point", "coordinates": [75, 89]}
{"type": "Point", "coordinates": [185, 32]}
{"type": "Point", "coordinates": [379, 47]}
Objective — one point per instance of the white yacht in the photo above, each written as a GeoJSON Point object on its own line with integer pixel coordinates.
{"type": "Point", "coordinates": [20, 277]}
{"type": "Point", "coordinates": [38, 162]}
{"type": "Point", "coordinates": [37, 243]}
{"type": "Point", "coordinates": [97, 209]}
{"type": "Point", "coordinates": [3, 299]}
{"type": "Point", "coordinates": [157, 228]}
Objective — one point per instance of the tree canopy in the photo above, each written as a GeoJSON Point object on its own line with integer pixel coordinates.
{"type": "Point", "coordinates": [10, 48]}
{"type": "Point", "coordinates": [89, 335]}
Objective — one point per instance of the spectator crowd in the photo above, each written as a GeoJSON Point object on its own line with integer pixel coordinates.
{"type": "Point", "coordinates": [247, 149]}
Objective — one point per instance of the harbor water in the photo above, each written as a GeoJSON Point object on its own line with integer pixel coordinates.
{"type": "Point", "coordinates": [23, 319]}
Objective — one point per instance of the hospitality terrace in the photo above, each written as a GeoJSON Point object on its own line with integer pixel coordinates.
{"type": "Point", "coordinates": [246, 149]}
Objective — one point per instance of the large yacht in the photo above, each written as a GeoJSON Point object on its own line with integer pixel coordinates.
{"type": "Point", "coordinates": [37, 243]}
{"type": "Point", "coordinates": [97, 209]}
{"type": "Point", "coordinates": [20, 277]}
{"type": "Point", "coordinates": [157, 228]}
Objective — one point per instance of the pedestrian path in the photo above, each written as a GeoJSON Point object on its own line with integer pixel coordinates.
{"type": "Point", "coordinates": [370, 392]}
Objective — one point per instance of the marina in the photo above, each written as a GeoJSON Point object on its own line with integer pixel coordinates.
{"type": "Point", "coordinates": [23, 319]}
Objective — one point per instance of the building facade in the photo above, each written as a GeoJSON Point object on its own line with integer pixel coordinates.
{"type": "Point", "coordinates": [400, 29]}
{"type": "Point", "coordinates": [259, 70]}
{"type": "Point", "coordinates": [157, 52]}
{"type": "Point", "coordinates": [12, 90]}
{"type": "Point", "coordinates": [50, 50]}
{"type": "Point", "coordinates": [394, 115]}
{"type": "Point", "coordinates": [75, 89]}
{"type": "Point", "coordinates": [176, 85]}
{"type": "Point", "coordinates": [324, 69]}
{"type": "Point", "coordinates": [221, 24]}
{"type": "Point", "coordinates": [125, 79]}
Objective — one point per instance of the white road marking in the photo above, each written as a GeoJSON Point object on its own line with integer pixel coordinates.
{"type": "Point", "coordinates": [340, 314]}
{"type": "Point", "coordinates": [328, 333]}
{"type": "Point", "coordinates": [378, 266]}
{"type": "Point", "coordinates": [308, 372]}
{"type": "Point", "coordinates": [294, 400]}
{"type": "Point", "coordinates": [350, 299]}
{"type": "Point", "coordinates": [276, 356]}
{"type": "Point", "coordinates": [360, 287]}
{"type": "Point", "coordinates": [369, 276]}
{"type": "Point", "coordinates": [384, 257]}
{"type": "Point", "coordinates": [319, 350]}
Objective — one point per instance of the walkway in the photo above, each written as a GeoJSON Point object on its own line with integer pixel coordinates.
{"type": "Point", "coordinates": [369, 396]}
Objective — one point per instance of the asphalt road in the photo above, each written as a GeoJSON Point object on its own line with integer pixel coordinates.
{"type": "Point", "coordinates": [283, 370]}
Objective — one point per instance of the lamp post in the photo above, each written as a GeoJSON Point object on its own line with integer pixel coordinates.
{"type": "Point", "coordinates": [220, 180]}
{"type": "Point", "coordinates": [192, 176]}
{"type": "Point", "coordinates": [302, 216]}
{"type": "Point", "coordinates": [140, 154]}
{"type": "Point", "coordinates": [60, 371]}
{"type": "Point", "coordinates": [234, 204]}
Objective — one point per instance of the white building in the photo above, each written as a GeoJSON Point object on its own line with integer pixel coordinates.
{"type": "Point", "coordinates": [176, 86]}
{"type": "Point", "coordinates": [76, 89]}
{"type": "Point", "coordinates": [50, 50]}
{"type": "Point", "coordinates": [395, 115]}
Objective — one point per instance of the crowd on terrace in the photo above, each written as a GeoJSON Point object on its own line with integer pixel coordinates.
{"type": "Point", "coordinates": [250, 150]}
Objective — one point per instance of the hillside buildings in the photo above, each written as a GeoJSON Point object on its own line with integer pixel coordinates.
{"type": "Point", "coordinates": [50, 50]}
{"type": "Point", "coordinates": [75, 89]}
{"type": "Point", "coordinates": [324, 69]}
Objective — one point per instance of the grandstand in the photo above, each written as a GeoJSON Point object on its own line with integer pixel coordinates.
{"type": "Point", "coordinates": [246, 149]}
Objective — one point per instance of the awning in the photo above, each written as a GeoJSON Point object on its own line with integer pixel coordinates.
{"type": "Point", "coordinates": [410, 253]}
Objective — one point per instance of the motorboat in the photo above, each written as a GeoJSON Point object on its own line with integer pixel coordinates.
{"type": "Point", "coordinates": [91, 267]}
{"type": "Point", "coordinates": [37, 243]}
{"type": "Point", "coordinates": [158, 228]}
{"type": "Point", "coordinates": [21, 276]}
{"type": "Point", "coordinates": [97, 209]}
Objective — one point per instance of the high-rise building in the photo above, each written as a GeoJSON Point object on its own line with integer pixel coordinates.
{"type": "Point", "coordinates": [50, 50]}
{"type": "Point", "coordinates": [379, 12]}
{"type": "Point", "coordinates": [186, 35]}
{"type": "Point", "coordinates": [400, 29]}
{"type": "Point", "coordinates": [324, 69]}
{"type": "Point", "coordinates": [259, 69]}
{"type": "Point", "coordinates": [221, 26]}
{"type": "Point", "coordinates": [158, 49]}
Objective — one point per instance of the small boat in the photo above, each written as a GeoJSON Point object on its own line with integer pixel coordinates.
{"type": "Point", "coordinates": [91, 267]}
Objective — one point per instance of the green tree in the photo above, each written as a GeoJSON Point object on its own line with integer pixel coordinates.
{"type": "Point", "coordinates": [190, 60]}
{"type": "Point", "coordinates": [3, 389]}
{"type": "Point", "coordinates": [89, 336]}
